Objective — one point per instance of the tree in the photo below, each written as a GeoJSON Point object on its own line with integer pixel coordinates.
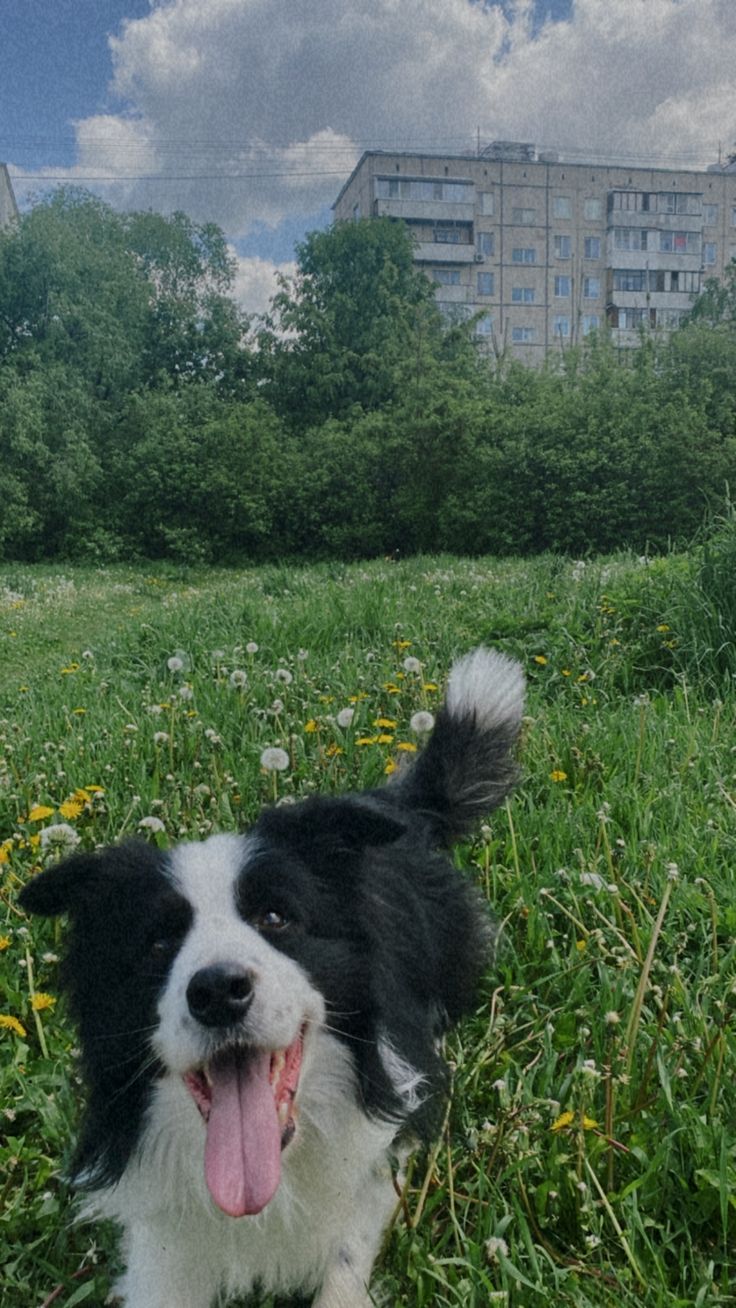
{"type": "Point", "coordinates": [343, 332]}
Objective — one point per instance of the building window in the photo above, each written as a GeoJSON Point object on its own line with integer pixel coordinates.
{"type": "Point", "coordinates": [632, 238]}
{"type": "Point", "coordinates": [407, 188]}
{"type": "Point", "coordinates": [526, 216]}
{"type": "Point", "coordinates": [710, 214]}
{"type": "Point", "coordinates": [522, 335]}
{"type": "Point", "coordinates": [562, 247]}
{"type": "Point", "coordinates": [679, 242]}
{"type": "Point", "coordinates": [446, 276]}
{"type": "Point", "coordinates": [591, 322]}
{"type": "Point", "coordinates": [522, 294]}
{"type": "Point", "coordinates": [562, 287]}
{"type": "Point", "coordinates": [561, 326]}
{"type": "Point", "coordinates": [486, 203]}
{"type": "Point", "coordinates": [484, 243]}
{"type": "Point", "coordinates": [592, 210]}
{"type": "Point", "coordinates": [484, 325]}
{"type": "Point", "coordinates": [688, 282]}
{"type": "Point", "coordinates": [485, 283]}
{"type": "Point", "coordinates": [561, 207]}
{"type": "Point", "coordinates": [592, 247]}
{"type": "Point", "coordinates": [709, 253]}
{"type": "Point", "coordinates": [524, 254]}
{"type": "Point", "coordinates": [629, 279]}
{"type": "Point", "coordinates": [591, 288]}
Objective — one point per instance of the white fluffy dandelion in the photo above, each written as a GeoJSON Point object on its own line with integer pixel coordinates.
{"type": "Point", "coordinates": [275, 759]}
{"type": "Point", "coordinates": [251, 647]}
{"type": "Point", "coordinates": [238, 679]}
{"type": "Point", "coordinates": [345, 717]}
{"type": "Point", "coordinates": [152, 824]}
{"type": "Point", "coordinates": [160, 737]}
{"type": "Point", "coordinates": [175, 664]}
{"type": "Point", "coordinates": [411, 664]}
{"type": "Point", "coordinates": [59, 838]}
{"type": "Point", "coordinates": [422, 721]}
{"type": "Point", "coordinates": [284, 676]}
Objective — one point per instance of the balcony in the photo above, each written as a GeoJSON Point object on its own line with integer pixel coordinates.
{"type": "Point", "coordinates": [443, 252]}
{"type": "Point", "coordinates": [430, 211]}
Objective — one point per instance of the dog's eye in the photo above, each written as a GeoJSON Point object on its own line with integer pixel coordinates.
{"type": "Point", "coordinates": [163, 947]}
{"type": "Point", "coordinates": [270, 921]}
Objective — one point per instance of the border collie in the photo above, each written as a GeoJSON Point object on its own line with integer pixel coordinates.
{"type": "Point", "coordinates": [260, 1017]}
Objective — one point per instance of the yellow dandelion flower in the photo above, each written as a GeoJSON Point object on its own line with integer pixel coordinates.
{"type": "Point", "coordinates": [333, 750]}
{"type": "Point", "coordinates": [4, 855]}
{"type": "Point", "coordinates": [589, 1123]}
{"type": "Point", "coordinates": [95, 790]}
{"type": "Point", "coordinates": [583, 676]}
{"type": "Point", "coordinates": [310, 726]}
{"type": "Point", "coordinates": [663, 626]}
{"type": "Point", "coordinates": [326, 699]}
{"type": "Point", "coordinates": [384, 722]}
{"type": "Point", "coordinates": [41, 1000]}
{"type": "Point", "coordinates": [366, 740]}
{"type": "Point", "coordinates": [10, 1023]}
{"type": "Point", "coordinates": [70, 809]}
{"type": "Point", "coordinates": [79, 712]}
{"type": "Point", "coordinates": [389, 768]}
{"type": "Point", "coordinates": [565, 1119]}
{"type": "Point", "coordinates": [81, 796]}
{"type": "Point", "coordinates": [402, 644]}
{"type": "Point", "coordinates": [383, 739]}
{"type": "Point", "coordinates": [34, 841]}
{"type": "Point", "coordinates": [558, 775]}
{"type": "Point", "coordinates": [4, 942]}
{"type": "Point", "coordinates": [430, 685]}
{"type": "Point", "coordinates": [566, 672]}
{"type": "Point", "coordinates": [581, 946]}
{"type": "Point", "coordinates": [355, 699]}
{"type": "Point", "coordinates": [407, 746]}
{"type": "Point", "coordinates": [39, 812]}
{"type": "Point", "coordinates": [541, 659]}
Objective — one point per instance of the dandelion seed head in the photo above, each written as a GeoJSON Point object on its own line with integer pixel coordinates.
{"type": "Point", "coordinates": [275, 759]}
{"type": "Point", "coordinates": [251, 647]}
{"type": "Point", "coordinates": [175, 664]}
{"type": "Point", "coordinates": [238, 679]}
{"type": "Point", "coordinates": [345, 717]}
{"type": "Point", "coordinates": [284, 676]}
{"type": "Point", "coordinates": [152, 824]}
{"type": "Point", "coordinates": [422, 722]}
{"type": "Point", "coordinates": [59, 838]}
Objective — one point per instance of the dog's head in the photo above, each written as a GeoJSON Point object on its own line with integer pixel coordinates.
{"type": "Point", "coordinates": [216, 963]}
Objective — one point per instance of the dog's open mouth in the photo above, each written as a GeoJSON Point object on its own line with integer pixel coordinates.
{"type": "Point", "coordinates": [246, 1097]}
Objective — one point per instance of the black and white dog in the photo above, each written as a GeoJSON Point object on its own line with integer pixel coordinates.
{"type": "Point", "coordinates": [260, 1017]}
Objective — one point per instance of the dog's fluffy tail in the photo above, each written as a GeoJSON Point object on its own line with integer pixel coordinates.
{"type": "Point", "coordinates": [467, 767]}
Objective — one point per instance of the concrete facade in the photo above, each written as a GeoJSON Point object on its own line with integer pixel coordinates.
{"type": "Point", "coordinates": [548, 251]}
{"type": "Point", "coordinates": [8, 207]}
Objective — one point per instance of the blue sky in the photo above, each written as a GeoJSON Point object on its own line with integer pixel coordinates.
{"type": "Point", "coordinates": [253, 112]}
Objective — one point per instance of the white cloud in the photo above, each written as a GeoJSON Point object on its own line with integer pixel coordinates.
{"type": "Point", "coordinates": [256, 281]}
{"type": "Point", "coordinates": [251, 111]}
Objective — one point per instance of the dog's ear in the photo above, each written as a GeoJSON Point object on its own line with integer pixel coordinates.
{"type": "Point", "coordinates": [61, 888]}
{"type": "Point", "coordinates": [350, 821]}
{"type": "Point", "coordinates": [360, 823]}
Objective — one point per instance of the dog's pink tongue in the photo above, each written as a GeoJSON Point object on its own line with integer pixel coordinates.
{"type": "Point", "coordinates": [242, 1157]}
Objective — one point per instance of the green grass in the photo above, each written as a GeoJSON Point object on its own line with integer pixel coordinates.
{"type": "Point", "coordinates": [609, 1012]}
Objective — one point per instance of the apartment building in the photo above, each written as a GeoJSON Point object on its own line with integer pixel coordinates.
{"type": "Point", "coordinates": [8, 207]}
{"type": "Point", "coordinates": [546, 251]}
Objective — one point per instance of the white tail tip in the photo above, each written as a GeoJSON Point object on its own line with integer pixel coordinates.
{"type": "Point", "coordinates": [488, 684]}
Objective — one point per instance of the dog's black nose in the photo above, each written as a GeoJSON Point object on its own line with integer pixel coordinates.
{"type": "Point", "coordinates": [219, 995]}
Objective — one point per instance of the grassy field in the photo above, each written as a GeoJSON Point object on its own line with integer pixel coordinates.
{"type": "Point", "coordinates": [590, 1152]}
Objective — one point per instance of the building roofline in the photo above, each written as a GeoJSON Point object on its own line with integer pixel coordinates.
{"type": "Point", "coordinates": [709, 170]}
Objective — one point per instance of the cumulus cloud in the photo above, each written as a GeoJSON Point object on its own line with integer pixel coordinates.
{"type": "Point", "coordinates": [256, 281]}
{"type": "Point", "coordinates": [250, 112]}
